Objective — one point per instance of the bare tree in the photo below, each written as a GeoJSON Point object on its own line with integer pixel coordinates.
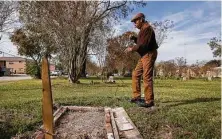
{"type": "Point", "coordinates": [162, 30]}
{"type": "Point", "coordinates": [116, 58]}
{"type": "Point", "coordinates": [168, 67]}
{"type": "Point", "coordinates": [71, 24]}
{"type": "Point", "coordinates": [181, 64]}
{"type": "Point", "coordinates": [91, 67]}
{"type": "Point", "coordinates": [7, 10]}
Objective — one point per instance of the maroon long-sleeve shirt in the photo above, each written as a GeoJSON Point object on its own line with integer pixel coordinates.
{"type": "Point", "coordinates": [146, 40]}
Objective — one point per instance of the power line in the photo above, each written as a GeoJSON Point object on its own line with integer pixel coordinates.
{"type": "Point", "coordinates": [2, 47]}
{"type": "Point", "coordinates": [2, 52]}
{"type": "Point", "coordinates": [9, 50]}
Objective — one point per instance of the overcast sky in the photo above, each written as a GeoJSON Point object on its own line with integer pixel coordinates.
{"type": "Point", "coordinates": [195, 24]}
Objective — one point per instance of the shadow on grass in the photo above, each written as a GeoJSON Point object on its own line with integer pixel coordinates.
{"type": "Point", "coordinates": [196, 100]}
{"type": "Point", "coordinates": [16, 121]}
{"type": "Point", "coordinates": [7, 130]}
{"type": "Point", "coordinates": [5, 133]}
{"type": "Point", "coordinates": [165, 86]}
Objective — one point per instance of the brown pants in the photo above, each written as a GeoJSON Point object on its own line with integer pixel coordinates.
{"type": "Point", "coordinates": [144, 66]}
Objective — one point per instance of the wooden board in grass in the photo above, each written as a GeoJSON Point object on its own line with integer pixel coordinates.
{"type": "Point", "coordinates": [92, 122]}
{"type": "Point", "coordinates": [126, 127]}
{"type": "Point", "coordinates": [77, 122]}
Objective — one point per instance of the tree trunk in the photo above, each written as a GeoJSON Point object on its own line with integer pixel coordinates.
{"type": "Point", "coordinates": [73, 71]}
{"type": "Point", "coordinates": [38, 74]}
{"type": "Point", "coordinates": [83, 73]}
{"type": "Point", "coordinates": [79, 57]}
{"type": "Point", "coordinates": [76, 66]}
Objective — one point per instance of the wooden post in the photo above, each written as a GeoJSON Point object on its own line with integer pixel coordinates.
{"type": "Point", "coordinates": [47, 104]}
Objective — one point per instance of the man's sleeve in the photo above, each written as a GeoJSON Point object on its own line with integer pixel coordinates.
{"type": "Point", "coordinates": [134, 39]}
{"type": "Point", "coordinates": [144, 39]}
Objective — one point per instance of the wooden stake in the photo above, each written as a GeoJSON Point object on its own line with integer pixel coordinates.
{"type": "Point", "coordinates": [47, 104]}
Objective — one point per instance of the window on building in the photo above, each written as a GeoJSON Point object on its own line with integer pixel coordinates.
{"type": "Point", "coordinates": [20, 69]}
{"type": "Point", "coordinates": [11, 63]}
{"type": "Point", "coordinates": [20, 61]}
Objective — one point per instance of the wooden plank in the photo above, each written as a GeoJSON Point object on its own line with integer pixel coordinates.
{"type": "Point", "coordinates": [58, 110]}
{"type": "Point", "coordinates": [132, 133]}
{"type": "Point", "coordinates": [114, 127]}
{"type": "Point", "coordinates": [123, 124]}
{"type": "Point", "coordinates": [58, 114]}
{"type": "Point", "coordinates": [108, 125]}
{"type": "Point", "coordinates": [47, 103]}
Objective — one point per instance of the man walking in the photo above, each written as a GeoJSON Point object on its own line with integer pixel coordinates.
{"type": "Point", "coordinates": [147, 47]}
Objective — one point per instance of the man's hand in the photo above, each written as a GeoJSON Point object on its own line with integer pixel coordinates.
{"type": "Point", "coordinates": [132, 37]}
{"type": "Point", "coordinates": [128, 49]}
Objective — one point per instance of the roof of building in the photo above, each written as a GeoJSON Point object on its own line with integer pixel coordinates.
{"type": "Point", "coordinates": [12, 59]}
{"type": "Point", "coordinates": [218, 68]}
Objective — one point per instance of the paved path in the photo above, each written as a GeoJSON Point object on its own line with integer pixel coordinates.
{"type": "Point", "coordinates": [15, 77]}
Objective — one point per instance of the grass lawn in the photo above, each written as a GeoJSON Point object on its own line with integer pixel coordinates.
{"type": "Point", "coordinates": [185, 109]}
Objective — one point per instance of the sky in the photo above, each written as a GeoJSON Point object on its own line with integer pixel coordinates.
{"type": "Point", "coordinates": [195, 23]}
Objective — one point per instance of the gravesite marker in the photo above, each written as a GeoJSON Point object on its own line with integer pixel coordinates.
{"type": "Point", "coordinates": [77, 122]}
{"type": "Point", "coordinates": [47, 104]}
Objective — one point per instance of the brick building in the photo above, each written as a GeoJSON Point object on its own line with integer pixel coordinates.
{"type": "Point", "coordinates": [17, 65]}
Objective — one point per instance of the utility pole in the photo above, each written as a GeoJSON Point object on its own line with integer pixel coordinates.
{"type": "Point", "coordinates": [1, 52]}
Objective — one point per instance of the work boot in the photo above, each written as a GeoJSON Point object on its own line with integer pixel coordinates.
{"type": "Point", "coordinates": [146, 105]}
{"type": "Point", "coordinates": [136, 100]}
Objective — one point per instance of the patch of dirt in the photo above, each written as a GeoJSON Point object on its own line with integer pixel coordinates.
{"type": "Point", "coordinates": [165, 133]}
{"type": "Point", "coordinates": [81, 125]}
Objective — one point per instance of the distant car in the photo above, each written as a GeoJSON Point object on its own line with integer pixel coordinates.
{"type": "Point", "coordinates": [56, 73]}
{"type": "Point", "coordinates": [128, 74]}
{"type": "Point", "coordinates": [116, 75]}
{"type": "Point", "coordinates": [64, 73]}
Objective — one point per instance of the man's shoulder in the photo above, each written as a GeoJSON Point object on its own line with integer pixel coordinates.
{"type": "Point", "coordinates": [147, 26]}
